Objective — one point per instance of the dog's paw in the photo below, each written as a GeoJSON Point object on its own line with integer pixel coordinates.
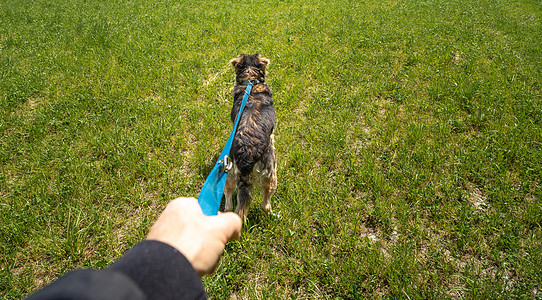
{"type": "Point", "coordinates": [266, 206]}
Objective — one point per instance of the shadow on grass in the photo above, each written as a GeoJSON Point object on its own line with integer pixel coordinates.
{"type": "Point", "coordinates": [256, 216]}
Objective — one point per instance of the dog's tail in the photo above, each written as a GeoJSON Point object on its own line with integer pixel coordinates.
{"type": "Point", "coordinates": [244, 188]}
{"type": "Point", "coordinates": [245, 164]}
{"type": "Point", "coordinates": [245, 158]}
{"type": "Point", "coordinates": [246, 150]}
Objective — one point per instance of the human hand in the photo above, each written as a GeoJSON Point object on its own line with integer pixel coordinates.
{"type": "Point", "coordinates": [201, 239]}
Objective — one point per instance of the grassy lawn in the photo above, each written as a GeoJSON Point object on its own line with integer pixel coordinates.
{"type": "Point", "coordinates": [408, 141]}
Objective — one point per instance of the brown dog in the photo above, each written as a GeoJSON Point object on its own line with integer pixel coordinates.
{"type": "Point", "coordinates": [252, 150]}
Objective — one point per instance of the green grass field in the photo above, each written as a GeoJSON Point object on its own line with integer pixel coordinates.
{"type": "Point", "coordinates": [408, 141]}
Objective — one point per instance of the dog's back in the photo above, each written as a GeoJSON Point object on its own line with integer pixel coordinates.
{"type": "Point", "coordinates": [253, 139]}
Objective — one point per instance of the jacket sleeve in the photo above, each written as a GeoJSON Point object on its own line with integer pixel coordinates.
{"type": "Point", "coordinates": [149, 270]}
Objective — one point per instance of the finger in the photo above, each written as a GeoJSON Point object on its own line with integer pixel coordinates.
{"type": "Point", "coordinates": [229, 224]}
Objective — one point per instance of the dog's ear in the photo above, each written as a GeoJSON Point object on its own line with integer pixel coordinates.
{"type": "Point", "coordinates": [264, 61]}
{"type": "Point", "coordinates": [234, 62]}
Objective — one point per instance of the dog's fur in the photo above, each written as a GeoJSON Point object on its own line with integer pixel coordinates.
{"type": "Point", "coordinates": [252, 150]}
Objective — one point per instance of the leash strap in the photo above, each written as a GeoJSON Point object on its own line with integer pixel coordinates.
{"type": "Point", "coordinates": [210, 195]}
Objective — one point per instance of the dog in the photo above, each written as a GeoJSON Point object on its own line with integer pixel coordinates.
{"type": "Point", "coordinates": [252, 151]}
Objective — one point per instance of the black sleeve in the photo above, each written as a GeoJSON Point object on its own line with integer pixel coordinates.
{"type": "Point", "coordinates": [160, 271]}
{"type": "Point", "coordinates": [149, 270]}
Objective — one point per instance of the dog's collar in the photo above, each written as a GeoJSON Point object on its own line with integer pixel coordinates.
{"type": "Point", "coordinates": [253, 81]}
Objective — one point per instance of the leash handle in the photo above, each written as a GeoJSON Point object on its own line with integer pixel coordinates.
{"type": "Point", "coordinates": [211, 193]}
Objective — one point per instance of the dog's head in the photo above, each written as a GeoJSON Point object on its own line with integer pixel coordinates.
{"type": "Point", "coordinates": [249, 67]}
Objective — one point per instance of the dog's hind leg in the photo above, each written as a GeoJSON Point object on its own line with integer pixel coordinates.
{"type": "Point", "coordinates": [269, 181]}
{"type": "Point", "coordinates": [229, 188]}
{"type": "Point", "coordinates": [244, 196]}
{"type": "Point", "coordinates": [269, 187]}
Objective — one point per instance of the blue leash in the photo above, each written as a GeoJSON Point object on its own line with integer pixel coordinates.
{"type": "Point", "coordinates": [210, 195]}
